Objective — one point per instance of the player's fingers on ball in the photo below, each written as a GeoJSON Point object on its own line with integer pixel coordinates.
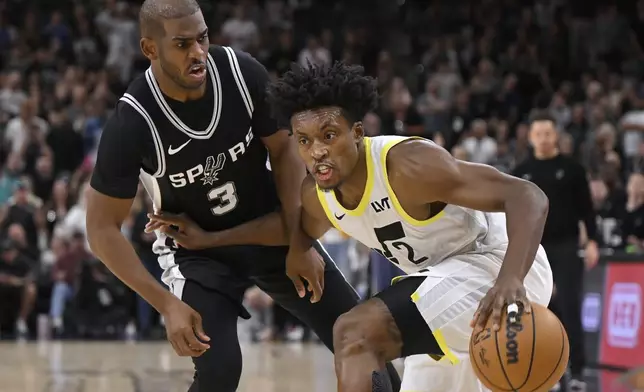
{"type": "Point", "coordinates": [525, 302]}
{"type": "Point", "coordinates": [482, 313]}
{"type": "Point", "coordinates": [496, 315]}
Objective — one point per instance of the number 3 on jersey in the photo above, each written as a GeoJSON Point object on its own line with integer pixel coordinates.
{"type": "Point", "coordinates": [395, 232]}
{"type": "Point", "coordinates": [225, 198]}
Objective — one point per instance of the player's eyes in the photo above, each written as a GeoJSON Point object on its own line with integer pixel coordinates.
{"type": "Point", "coordinates": [329, 135]}
{"type": "Point", "coordinates": [202, 38]}
{"type": "Point", "coordinates": [303, 141]}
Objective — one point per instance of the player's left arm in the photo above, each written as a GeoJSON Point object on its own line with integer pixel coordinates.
{"type": "Point", "coordinates": [303, 263]}
{"type": "Point", "coordinates": [431, 174]}
{"type": "Point", "coordinates": [289, 171]}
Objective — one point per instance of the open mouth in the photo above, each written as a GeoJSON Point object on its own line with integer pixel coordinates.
{"type": "Point", "coordinates": [197, 71]}
{"type": "Point", "coordinates": [323, 172]}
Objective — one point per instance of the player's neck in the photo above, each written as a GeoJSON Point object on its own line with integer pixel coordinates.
{"type": "Point", "coordinates": [546, 154]}
{"type": "Point", "coordinates": [170, 88]}
{"type": "Point", "coordinates": [350, 192]}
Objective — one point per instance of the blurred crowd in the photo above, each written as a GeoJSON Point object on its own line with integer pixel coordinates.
{"type": "Point", "coordinates": [465, 74]}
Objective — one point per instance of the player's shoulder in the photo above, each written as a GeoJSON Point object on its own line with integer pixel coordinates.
{"type": "Point", "coordinates": [139, 87]}
{"type": "Point", "coordinates": [413, 162]}
{"type": "Point", "coordinates": [127, 118]}
{"type": "Point", "coordinates": [412, 149]}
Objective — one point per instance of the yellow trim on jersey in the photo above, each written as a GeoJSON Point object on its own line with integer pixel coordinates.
{"type": "Point", "coordinates": [366, 195]}
{"type": "Point", "coordinates": [394, 199]}
{"type": "Point", "coordinates": [440, 339]}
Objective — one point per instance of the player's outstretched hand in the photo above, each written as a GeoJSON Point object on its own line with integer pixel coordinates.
{"type": "Point", "coordinates": [306, 266]}
{"type": "Point", "coordinates": [506, 291]}
{"type": "Point", "coordinates": [184, 330]}
{"type": "Point", "coordinates": [181, 229]}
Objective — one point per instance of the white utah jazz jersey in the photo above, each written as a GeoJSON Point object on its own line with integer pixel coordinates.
{"type": "Point", "coordinates": [380, 222]}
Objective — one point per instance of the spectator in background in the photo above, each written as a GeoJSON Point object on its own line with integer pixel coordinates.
{"type": "Point", "coordinates": [64, 273]}
{"type": "Point", "coordinates": [242, 32]}
{"type": "Point", "coordinates": [398, 114]}
{"type": "Point", "coordinates": [74, 221]}
{"type": "Point", "coordinates": [10, 177]}
{"type": "Point", "coordinates": [314, 53]}
{"type": "Point", "coordinates": [122, 42]}
{"type": "Point", "coordinates": [609, 203]}
{"type": "Point", "coordinates": [27, 126]}
{"type": "Point", "coordinates": [22, 210]}
{"type": "Point", "coordinates": [11, 95]}
{"type": "Point", "coordinates": [564, 182]}
{"type": "Point", "coordinates": [480, 147]}
{"type": "Point", "coordinates": [17, 290]}
{"type": "Point", "coordinates": [633, 226]}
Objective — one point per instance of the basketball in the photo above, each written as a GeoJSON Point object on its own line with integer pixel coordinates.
{"type": "Point", "coordinates": [529, 355]}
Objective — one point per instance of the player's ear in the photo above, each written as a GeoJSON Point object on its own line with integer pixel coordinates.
{"type": "Point", "coordinates": [149, 48]}
{"type": "Point", "coordinates": [357, 130]}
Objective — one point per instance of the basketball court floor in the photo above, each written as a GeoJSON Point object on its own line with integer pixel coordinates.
{"type": "Point", "coordinates": [53, 366]}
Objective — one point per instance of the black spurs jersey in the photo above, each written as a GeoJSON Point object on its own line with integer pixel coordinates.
{"type": "Point", "coordinates": [205, 157]}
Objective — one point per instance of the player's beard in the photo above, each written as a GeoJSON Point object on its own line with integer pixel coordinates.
{"type": "Point", "coordinates": [175, 74]}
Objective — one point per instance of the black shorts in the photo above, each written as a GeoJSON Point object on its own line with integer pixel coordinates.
{"type": "Point", "coordinates": [230, 271]}
{"type": "Point", "coordinates": [417, 337]}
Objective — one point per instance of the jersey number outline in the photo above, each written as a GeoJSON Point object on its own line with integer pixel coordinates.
{"type": "Point", "coordinates": [395, 232]}
{"type": "Point", "coordinates": [225, 197]}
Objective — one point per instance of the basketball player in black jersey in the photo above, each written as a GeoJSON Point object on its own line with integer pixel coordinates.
{"type": "Point", "coordinates": [195, 128]}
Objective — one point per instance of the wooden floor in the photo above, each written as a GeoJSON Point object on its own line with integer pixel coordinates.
{"type": "Point", "coordinates": [153, 367]}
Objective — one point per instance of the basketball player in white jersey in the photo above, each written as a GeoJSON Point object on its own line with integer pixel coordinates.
{"type": "Point", "coordinates": [440, 220]}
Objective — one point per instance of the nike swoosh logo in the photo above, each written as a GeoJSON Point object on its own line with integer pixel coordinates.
{"type": "Point", "coordinates": [173, 151]}
{"type": "Point", "coordinates": [339, 217]}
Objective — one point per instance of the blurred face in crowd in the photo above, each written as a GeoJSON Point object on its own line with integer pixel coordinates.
{"type": "Point", "coordinates": [543, 137]}
{"type": "Point", "coordinates": [20, 195]}
{"type": "Point", "coordinates": [372, 124]}
{"type": "Point", "coordinates": [328, 144]}
{"type": "Point", "coordinates": [635, 186]}
{"type": "Point", "coordinates": [181, 51]}
{"type": "Point", "coordinates": [44, 166]}
{"type": "Point", "coordinates": [479, 129]}
{"type": "Point", "coordinates": [17, 234]}
{"type": "Point", "coordinates": [27, 110]}
{"type": "Point", "coordinates": [598, 191]}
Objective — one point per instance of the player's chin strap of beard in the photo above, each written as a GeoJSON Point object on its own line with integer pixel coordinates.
{"type": "Point", "coordinates": [513, 311]}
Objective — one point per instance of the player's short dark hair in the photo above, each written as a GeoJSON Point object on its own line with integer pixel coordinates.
{"type": "Point", "coordinates": [542, 115]}
{"type": "Point", "coordinates": [313, 87]}
{"type": "Point", "coordinates": [154, 12]}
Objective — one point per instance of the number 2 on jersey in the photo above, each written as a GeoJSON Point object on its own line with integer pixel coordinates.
{"type": "Point", "coordinates": [395, 232]}
{"type": "Point", "coordinates": [225, 198]}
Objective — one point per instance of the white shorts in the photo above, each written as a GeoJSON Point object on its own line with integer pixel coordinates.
{"type": "Point", "coordinates": [424, 374]}
{"type": "Point", "coordinates": [447, 300]}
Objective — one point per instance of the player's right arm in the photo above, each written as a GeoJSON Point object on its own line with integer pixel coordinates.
{"type": "Point", "coordinates": [314, 221]}
{"type": "Point", "coordinates": [113, 188]}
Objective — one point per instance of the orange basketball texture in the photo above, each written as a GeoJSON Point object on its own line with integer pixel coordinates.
{"type": "Point", "coordinates": [530, 355]}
